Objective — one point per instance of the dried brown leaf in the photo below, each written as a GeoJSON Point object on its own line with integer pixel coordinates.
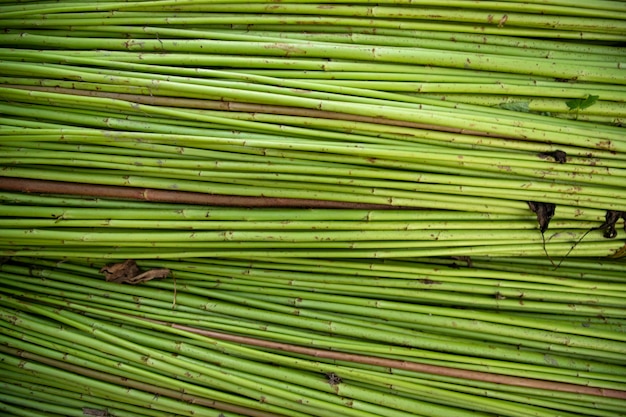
{"type": "Point", "coordinates": [129, 272]}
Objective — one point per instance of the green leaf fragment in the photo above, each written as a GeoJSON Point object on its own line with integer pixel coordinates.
{"type": "Point", "coordinates": [588, 102]}
{"type": "Point", "coordinates": [582, 103]}
{"type": "Point", "coordinates": [520, 106]}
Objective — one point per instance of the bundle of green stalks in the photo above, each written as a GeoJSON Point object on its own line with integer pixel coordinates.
{"type": "Point", "coordinates": [39, 226]}
{"type": "Point", "coordinates": [396, 208]}
{"type": "Point", "coordinates": [314, 337]}
{"type": "Point", "coordinates": [333, 102]}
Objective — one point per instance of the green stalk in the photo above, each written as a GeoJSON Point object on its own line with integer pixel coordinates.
{"type": "Point", "coordinates": [18, 386]}
{"type": "Point", "coordinates": [427, 42]}
{"type": "Point", "coordinates": [44, 403]}
{"type": "Point", "coordinates": [87, 360]}
{"type": "Point", "coordinates": [609, 31]}
{"type": "Point", "coordinates": [256, 190]}
{"type": "Point", "coordinates": [427, 116]}
{"type": "Point", "coordinates": [20, 411]}
{"type": "Point", "coordinates": [265, 389]}
{"type": "Point", "coordinates": [278, 236]}
{"type": "Point", "coordinates": [333, 342]}
{"type": "Point", "coordinates": [387, 376]}
{"type": "Point", "coordinates": [506, 299]}
{"type": "Point", "coordinates": [440, 269]}
{"type": "Point", "coordinates": [326, 87]}
{"type": "Point", "coordinates": [225, 171]}
{"type": "Point", "coordinates": [31, 200]}
{"type": "Point", "coordinates": [192, 137]}
{"type": "Point", "coordinates": [592, 5]}
{"type": "Point", "coordinates": [180, 299]}
{"type": "Point", "coordinates": [431, 159]}
{"type": "Point", "coordinates": [584, 249]}
{"type": "Point", "coordinates": [159, 360]}
{"type": "Point", "coordinates": [102, 383]}
{"type": "Point", "coordinates": [371, 333]}
{"type": "Point", "coordinates": [342, 91]}
{"type": "Point", "coordinates": [521, 330]}
{"type": "Point", "coordinates": [527, 46]}
{"type": "Point", "coordinates": [238, 362]}
{"type": "Point", "coordinates": [61, 221]}
{"type": "Point", "coordinates": [378, 53]}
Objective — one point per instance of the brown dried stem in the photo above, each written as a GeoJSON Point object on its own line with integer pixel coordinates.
{"type": "Point", "coordinates": [25, 185]}
{"type": "Point", "coordinates": [249, 107]}
{"type": "Point", "coordinates": [407, 365]}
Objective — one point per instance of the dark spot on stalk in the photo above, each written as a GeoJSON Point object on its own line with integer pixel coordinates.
{"type": "Point", "coordinates": [558, 156]}
{"type": "Point", "coordinates": [95, 412]}
{"type": "Point", "coordinates": [466, 259]}
{"type": "Point", "coordinates": [333, 379]}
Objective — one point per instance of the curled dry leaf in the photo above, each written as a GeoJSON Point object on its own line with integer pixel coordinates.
{"type": "Point", "coordinates": [610, 221]}
{"type": "Point", "coordinates": [128, 272]}
{"type": "Point", "coordinates": [544, 212]}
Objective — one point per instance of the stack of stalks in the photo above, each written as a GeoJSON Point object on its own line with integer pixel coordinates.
{"type": "Point", "coordinates": [400, 208]}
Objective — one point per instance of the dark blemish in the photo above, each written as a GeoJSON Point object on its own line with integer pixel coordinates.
{"type": "Point", "coordinates": [465, 259]}
{"type": "Point", "coordinates": [333, 379]}
{"type": "Point", "coordinates": [558, 156]}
